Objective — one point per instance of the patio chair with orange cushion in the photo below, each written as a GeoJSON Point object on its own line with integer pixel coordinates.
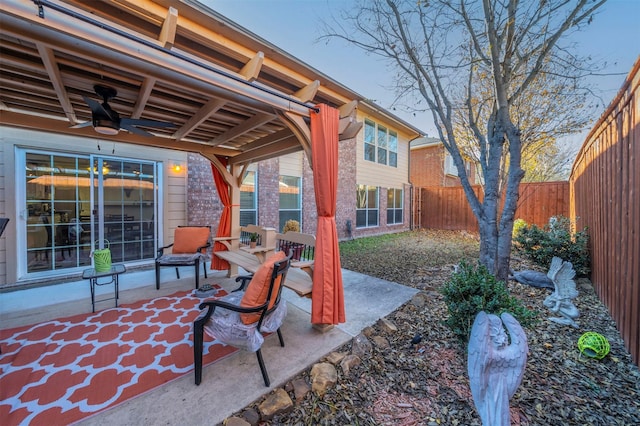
{"type": "Point", "coordinates": [243, 316]}
{"type": "Point", "coordinates": [189, 248]}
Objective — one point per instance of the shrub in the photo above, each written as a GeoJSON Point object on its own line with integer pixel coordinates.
{"type": "Point", "coordinates": [541, 245]}
{"type": "Point", "coordinates": [471, 290]}
{"type": "Point", "coordinates": [518, 225]}
{"type": "Point", "coordinates": [291, 225]}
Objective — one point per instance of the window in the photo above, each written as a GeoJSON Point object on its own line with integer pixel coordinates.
{"type": "Point", "coordinates": [394, 206]}
{"type": "Point", "coordinates": [449, 166]}
{"type": "Point", "coordinates": [367, 206]}
{"type": "Point", "coordinates": [249, 200]}
{"type": "Point", "coordinates": [380, 144]}
{"type": "Point", "coordinates": [369, 140]}
{"type": "Point", "coordinates": [71, 202]}
{"type": "Point", "coordinates": [290, 199]}
{"type": "Point", "coordinates": [393, 149]}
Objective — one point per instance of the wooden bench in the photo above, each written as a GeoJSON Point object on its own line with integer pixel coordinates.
{"type": "Point", "coordinates": [303, 247]}
{"type": "Point", "coordinates": [300, 275]}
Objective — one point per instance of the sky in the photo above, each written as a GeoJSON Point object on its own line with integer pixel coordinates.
{"type": "Point", "coordinates": [294, 26]}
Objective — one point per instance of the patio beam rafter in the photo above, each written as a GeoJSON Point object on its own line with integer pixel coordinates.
{"type": "Point", "coordinates": [49, 61]}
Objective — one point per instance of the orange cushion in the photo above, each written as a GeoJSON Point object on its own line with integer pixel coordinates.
{"type": "Point", "coordinates": [189, 238]}
{"type": "Point", "coordinates": [258, 289]}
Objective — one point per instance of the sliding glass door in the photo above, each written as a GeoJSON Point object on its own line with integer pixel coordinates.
{"type": "Point", "coordinates": [74, 203]}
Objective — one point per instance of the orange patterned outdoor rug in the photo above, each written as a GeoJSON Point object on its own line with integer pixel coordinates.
{"type": "Point", "coordinates": [61, 371]}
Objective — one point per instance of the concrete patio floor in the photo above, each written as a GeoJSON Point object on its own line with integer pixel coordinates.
{"type": "Point", "coordinates": [234, 382]}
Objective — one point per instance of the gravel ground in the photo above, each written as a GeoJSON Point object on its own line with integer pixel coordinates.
{"type": "Point", "coordinates": [427, 383]}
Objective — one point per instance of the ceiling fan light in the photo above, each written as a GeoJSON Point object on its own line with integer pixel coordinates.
{"type": "Point", "coordinates": [106, 127]}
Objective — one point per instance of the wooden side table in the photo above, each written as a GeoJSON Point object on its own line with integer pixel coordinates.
{"type": "Point", "coordinates": [93, 276]}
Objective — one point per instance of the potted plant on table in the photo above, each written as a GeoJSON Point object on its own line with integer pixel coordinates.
{"type": "Point", "coordinates": [253, 240]}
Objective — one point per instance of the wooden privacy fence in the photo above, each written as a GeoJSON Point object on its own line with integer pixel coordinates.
{"type": "Point", "coordinates": [605, 181]}
{"type": "Point", "coordinates": [447, 207]}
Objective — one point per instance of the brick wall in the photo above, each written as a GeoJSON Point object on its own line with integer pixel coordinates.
{"type": "Point", "coordinates": [204, 207]}
{"type": "Point", "coordinates": [309, 211]}
{"type": "Point", "coordinates": [203, 203]}
{"type": "Point", "coordinates": [268, 193]}
{"type": "Point", "coordinates": [427, 166]}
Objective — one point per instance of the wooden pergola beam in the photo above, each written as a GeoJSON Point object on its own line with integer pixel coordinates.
{"type": "Point", "coordinates": [246, 126]}
{"type": "Point", "coordinates": [143, 97]}
{"type": "Point", "coordinates": [168, 32]}
{"type": "Point", "coordinates": [286, 146]}
{"type": "Point", "coordinates": [307, 93]}
{"type": "Point", "coordinates": [49, 61]}
{"type": "Point", "coordinates": [196, 119]}
{"type": "Point", "coordinates": [252, 68]}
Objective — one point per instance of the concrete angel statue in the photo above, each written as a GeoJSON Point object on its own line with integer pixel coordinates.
{"type": "Point", "coordinates": [560, 301]}
{"type": "Point", "coordinates": [495, 366]}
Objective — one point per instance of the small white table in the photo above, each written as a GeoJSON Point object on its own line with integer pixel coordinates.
{"type": "Point", "coordinates": [93, 276]}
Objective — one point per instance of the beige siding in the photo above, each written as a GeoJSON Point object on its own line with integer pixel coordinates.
{"type": "Point", "coordinates": [369, 173]}
{"type": "Point", "coordinates": [291, 164]}
{"type": "Point", "coordinates": [174, 183]}
{"type": "Point", "coordinates": [175, 199]}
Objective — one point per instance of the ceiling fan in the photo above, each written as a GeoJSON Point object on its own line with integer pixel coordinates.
{"type": "Point", "coordinates": [108, 122]}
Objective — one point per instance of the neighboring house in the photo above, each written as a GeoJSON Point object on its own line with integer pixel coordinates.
{"type": "Point", "coordinates": [67, 189]}
{"type": "Point", "coordinates": [431, 165]}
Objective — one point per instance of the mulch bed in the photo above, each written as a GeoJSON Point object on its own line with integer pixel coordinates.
{"type": "Point", "coordinates": [426, 383]}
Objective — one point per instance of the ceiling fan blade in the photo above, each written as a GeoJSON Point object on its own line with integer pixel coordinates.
{"type": "Point", "coordinates": [98, 109]}
{"type": "Point", "coordinates": [81, 125]}
{"type": "Point", "coordinates": [146, 123]}
{"type": "Point", "coordinates": [133, 129]}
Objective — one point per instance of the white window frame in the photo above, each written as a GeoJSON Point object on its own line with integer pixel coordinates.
{"type": "Point", "coordinates": [449, 166]}
{"type": "Point", "coordinates": [380, 139]}
{"type": "Point", "coordinates": [254, 208]}
{"type": "Point", "coordinates": [366, 209]}
{"type": "Point", "coordinates": [298, 208]}
{"type": "Point", "coordinates": [395, 209]}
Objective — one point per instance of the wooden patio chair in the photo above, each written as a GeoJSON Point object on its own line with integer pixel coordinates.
{"type": "Point", "coordinates": [243, 316]}
{"type": "Point", "coordinates": [189, 248]}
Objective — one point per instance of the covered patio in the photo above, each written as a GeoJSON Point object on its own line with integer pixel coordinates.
{"type": "Point", "coordinates": [228, 95]}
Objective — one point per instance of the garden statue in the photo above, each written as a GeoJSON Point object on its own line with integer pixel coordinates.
{"type": "Point", "coordinates": [532, 278]}
{"type": "Point", "coordinates": [560, 301]}
{"type": "Point", "coordinates": [495, 367]}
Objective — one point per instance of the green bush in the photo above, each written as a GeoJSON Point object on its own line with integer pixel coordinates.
{"type": "Point", "coordinates": [541, 245]}
{"type": "Point", "coordinates": [471, 290]}
{"type": "Point", "coordinates": [518, 225]}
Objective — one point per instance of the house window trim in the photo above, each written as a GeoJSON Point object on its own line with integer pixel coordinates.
{"type": "Point", "coordinates": [256, 203]}
{"type": "Point", "coordinates": [380, 146]}
{"type": "Point", "coordinates": [299, 208]}
{"type": "Point", "coordinates": [96, 225]}
{"type": "Point", "coordinates": [368, 209]}
{"type": "Point", "coordinates": [450, 168]}
{"type": "Point", "coordinates": [394, 209]}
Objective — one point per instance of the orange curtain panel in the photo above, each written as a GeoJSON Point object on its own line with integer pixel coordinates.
{"type": "Point", "coordinates": [224, 227]}
{"type": "Point", "coordinates": [327, 301]}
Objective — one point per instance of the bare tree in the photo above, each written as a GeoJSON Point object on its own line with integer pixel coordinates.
{"type": "Point", "coordinates": [443, 49]}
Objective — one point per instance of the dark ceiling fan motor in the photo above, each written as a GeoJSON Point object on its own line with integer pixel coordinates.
{"type": "Point", "coordinates": [107, 123]}
{"type": "Point", "coordinates": [105, 120]}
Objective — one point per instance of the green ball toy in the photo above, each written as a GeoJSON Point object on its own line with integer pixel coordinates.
{"type": "Point", "coordinates": [593, 345]}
